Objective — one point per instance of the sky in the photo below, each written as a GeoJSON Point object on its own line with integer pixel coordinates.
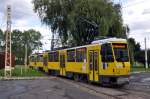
{"type": "Point", "coordinates": [24, 18]}
{"type": "Point", "coordinates": [136, 14]}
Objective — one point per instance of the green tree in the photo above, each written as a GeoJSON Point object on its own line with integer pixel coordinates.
{"type": "Point", "coordinates": [1, 35]}
{"type": "Point", "coordinates": [1, 40]}
{"type": "Point", "coordinates": [77, 22]}
{"type": "Point", "coordinates": [17, 46]}
{"type": "Point", "coordinates": [31, 38]}
{"type": "Point", "coordinates": [134, 50]}
{"type": "Point", "coordinates": [148, 57]}
{"type": "Point", "coordinates": [54, 13]}
{"type": "Point", "coordinates": [140, 57]}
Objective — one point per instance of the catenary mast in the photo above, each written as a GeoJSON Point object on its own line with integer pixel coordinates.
{"type": "Point", "coordinates": [8, 44]}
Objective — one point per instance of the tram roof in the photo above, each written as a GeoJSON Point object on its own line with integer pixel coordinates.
{"type": "Point", "coordinates": [97, 42]}
{"type": "Point", "coordinates": [109, 40]}
{"type": "Point", "coordinates": [80, 46]}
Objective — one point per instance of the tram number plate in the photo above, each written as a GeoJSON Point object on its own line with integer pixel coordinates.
{"type": "Point", "coordinates": [119, 66]}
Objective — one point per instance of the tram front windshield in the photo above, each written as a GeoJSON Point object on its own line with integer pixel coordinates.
{"type": "Point", "coordinates": [121, 52]}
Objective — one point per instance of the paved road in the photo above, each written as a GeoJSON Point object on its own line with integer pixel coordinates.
{"type": "Point", "coordinates": [51, 88]}
{"type": "Point", "coordinates": [60, 88]}
{"type": "Point", "coordinates": [139, 82]}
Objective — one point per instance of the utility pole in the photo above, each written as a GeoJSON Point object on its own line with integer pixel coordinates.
{"type": "Point", "coordinates": [146, 64]}
{"type": "Point", "coordinates": [8, 44]}
{"type": "Point", "coordinates": [26, 56]}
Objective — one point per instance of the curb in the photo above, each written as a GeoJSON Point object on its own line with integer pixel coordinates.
{"type": "Point", "coordinates": [24, 78]}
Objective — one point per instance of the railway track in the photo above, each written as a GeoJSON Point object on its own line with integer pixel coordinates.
{"type": "Point", "coordinates": [107, 93]}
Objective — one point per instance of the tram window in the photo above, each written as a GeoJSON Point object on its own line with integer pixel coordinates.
{"type": "Point", "coordinates": [45, 61]}
{"type": "Point", "coordinates": [35, 59]}
{"type": "Point", "coordinates": [50, 57]}
{"type": "Point", "coordinates": [56, 54]}
{"type": "Point", "coordinates": [71, 55]}
{"type": "Point", "coordinates": [38, 58]}
{"type": "Point", "coordinates": [32, 58]}
{"type": "Point", "coordinates": [121, 52]}
{"type": "Point", "coordinates": [80, 54]}
{"type": "Point", "coordinates": [106, 53]}
{"type": "Point", "coordinates": [41, 58]}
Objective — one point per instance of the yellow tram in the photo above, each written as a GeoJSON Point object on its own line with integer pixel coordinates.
{"type": "Point", "coordinates": [103, 61]}
{"type": "Point", "coordinates": [32, 60]}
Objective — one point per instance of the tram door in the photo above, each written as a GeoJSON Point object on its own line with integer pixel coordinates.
{"type": "Point", "coordinates": [35, 61]}
{"type": "Point", "coordinates": [45, 64]}
{"type": "Point", "coordinates": [62, 64]}
{"type": "Point", "coordinates": [93, 64]}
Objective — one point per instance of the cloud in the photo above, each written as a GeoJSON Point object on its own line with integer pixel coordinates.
{"type": "Point", "coordinates": [138, 20]}
{"type": "Point", "coordinates": [20, 8]}
{"type": "Point", "coordinates": [130, 12]}
{"type": "Point", "coordinates": [135, 14]}
{"type": "Point", "coordinates": [146, 11]}
{"type": "Point", "coordinates": [24, 18]}
{"type": "Point", "coordinates": [140, 25]}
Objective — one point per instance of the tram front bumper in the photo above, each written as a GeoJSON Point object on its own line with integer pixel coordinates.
{"type": "Point", "coordinates": [114, 80]}
{"type": "Point", "coordinates": [122, 80]}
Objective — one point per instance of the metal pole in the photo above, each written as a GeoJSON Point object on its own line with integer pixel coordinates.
{"type": "Point", "coordinates": [25, 61]}
{"type": "Point", "coordinates": [8, 44]}
{"type": "Point", "coordinates": [21, 70]}
{"type": "Point", "coordinates": [146, 64]}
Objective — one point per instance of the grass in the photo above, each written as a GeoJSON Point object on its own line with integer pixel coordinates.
{"type": "Point", "coordinates": [20, 71]}
{"type": "Point", "coordinates": [137, 69]}
{"type": "Point", "coordinates": [1, 72]}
